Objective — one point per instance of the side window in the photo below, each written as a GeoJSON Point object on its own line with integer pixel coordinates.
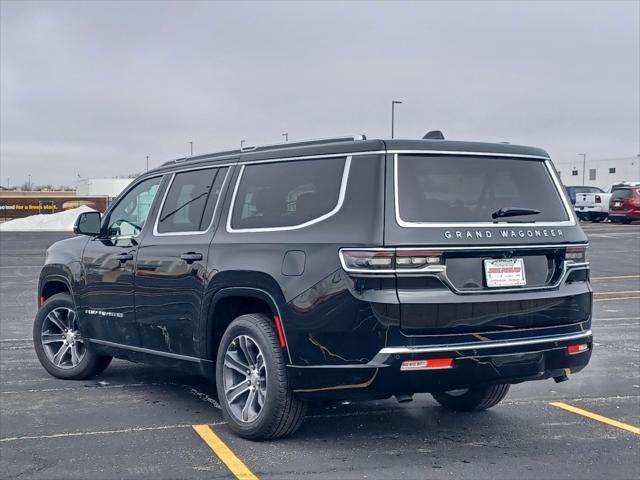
{"type": "Point", "coordinates": [287, 194]}
{"type": "Point", "coordinates": [191, 200]}
{"type": "Point", "coordinates": [130, 213]}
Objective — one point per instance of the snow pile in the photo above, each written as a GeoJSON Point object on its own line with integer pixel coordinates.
{"type": "Point", "coordinates": [51, 222]}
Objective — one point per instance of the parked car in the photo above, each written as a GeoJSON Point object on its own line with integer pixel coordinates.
{"type": "Point", "coordinates": [595, 206]}
{"type": "Point", "coordinates": [624, 206]}
{"type": "Point", "coordinates": [574, 190]}
{"type": "Point", "coordinates": [328, 270]}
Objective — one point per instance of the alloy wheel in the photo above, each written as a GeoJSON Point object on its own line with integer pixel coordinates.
{"type": "Point", "coordinates": [244, 378]}
{"type": "Point", "coordinates": [62, 343]}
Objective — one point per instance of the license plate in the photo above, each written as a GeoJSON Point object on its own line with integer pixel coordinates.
{"type": "Point", "coordinates": [617, 204]}
{"type": "Point", "coordinates": [505, 272]}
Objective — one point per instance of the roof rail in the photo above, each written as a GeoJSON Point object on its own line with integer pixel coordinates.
{"type": "Point", "coordinates": [274, 146]}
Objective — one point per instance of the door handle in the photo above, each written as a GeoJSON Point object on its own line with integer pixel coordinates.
{"type": "Point", "coordinates": [123, 257]}
{"type": "Point", "coordinates": [191, 257]}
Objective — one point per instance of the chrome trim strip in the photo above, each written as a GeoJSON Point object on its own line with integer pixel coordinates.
{"type": "Point", "coordinates": [383, 355]}
{"type": "Point", "coordinates": [156, 233]}
{"type": "Point", "coordinates": [336, 209]}
{"type": "Point", "coordinates": [470, 153]}
{"type": "Point", "coordinates": [145, 350]}
{"type": "Point", "coordinates": [554, 179]}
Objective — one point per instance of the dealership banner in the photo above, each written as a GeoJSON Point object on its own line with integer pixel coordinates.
{"type": "Point", "coordinates": [20, 207]}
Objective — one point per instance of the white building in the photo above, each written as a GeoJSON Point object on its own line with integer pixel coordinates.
{"type": "Point", "coordinates": [101, 187]}
{"type": "Point", "coordinates": [599, 172]}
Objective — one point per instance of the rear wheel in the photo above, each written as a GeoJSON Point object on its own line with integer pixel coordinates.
{"type": "Point", "coordinates": [626, 221]}
{"type": "Point", "coordinates": [251, 380]}
{"type": "Point", "coordinates": [472, 399]}
{"type": "Point", "coordinates": [60, 347]}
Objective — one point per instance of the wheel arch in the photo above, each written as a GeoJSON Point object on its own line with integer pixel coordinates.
{"type": "Point", "coordinates": [52, 283]}
{"type": "Point", "coordinates": [231, 302]}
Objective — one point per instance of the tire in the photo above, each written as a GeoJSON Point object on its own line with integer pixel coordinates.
{"type": "Point", "coordinates": [78, 361]}
{"type": "Point", "coordinates": [281, 412]}
{"type": "Point", "coordinates": [596, 219]}
{"type": "Point", "coordinates": [626, 221]}
{"type": "Point", "coordinates": [474, 399]}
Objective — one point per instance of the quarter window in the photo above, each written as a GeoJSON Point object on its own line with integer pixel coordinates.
{"type": "Point", "coordinates": [191, 200]}
{"type": "Point", "coordinates": [287, 194]}
{"type": "Point", "coordinates": [130, 213]}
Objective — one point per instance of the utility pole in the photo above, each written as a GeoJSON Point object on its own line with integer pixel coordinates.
{"type": "Point", "coordinates": [147, 163]}
{"type": "Point", "coordinates": [191, 148]}
{"type": "Point", "coordinates": [393, 114]}
{"type": "Point", "coordinates": [286, 137]}
{"type": "Point", "coordinates": [584, 165]}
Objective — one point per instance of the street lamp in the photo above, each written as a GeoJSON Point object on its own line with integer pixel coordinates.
{"type": "Point", "coordinates": [147, 163]}
{"type": "Point", "coordinates": [29, 183]}
{"type": "Point", "coordinates": [393, 114]}
{"type": "Point", "coordinates": [286, 137]}
{"type": "Point", "coordinates": [584, 165]}
{"type": "Point", "coordinates": [191, 148]}
{"type": "Point", "coordinates": [242, 144]}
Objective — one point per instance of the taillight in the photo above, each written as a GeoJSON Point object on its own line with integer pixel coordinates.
{"type": "Point", "coordinates": [576, 254]}
{"type": "Point", "coordinates": [368, 260]}
{"type": "Point", "coordinates": [407, 259]}
{"type": "Point", "coordinates": [575, 349]}
{"type": "Point", "coordinates": [389, 261]}
{"type": "Point", "coordinates": [598, 199]}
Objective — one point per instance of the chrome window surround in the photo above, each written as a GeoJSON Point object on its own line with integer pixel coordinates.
{"type": "Point", "coordinates": [382, 357]}
{"type": "Point", "coordinates": [336, 209]}
{"type": "Point", "coordinates": [156, 233]}
{"type": "Point", "coordinates": [440, 271]}
{"type": "Point", "coordinates": [568, 209]}
{"type": "Point", "coordinates": [119, 198]}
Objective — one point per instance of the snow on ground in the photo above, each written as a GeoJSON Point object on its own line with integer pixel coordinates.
{"type": "Point", "coordinates": [51, 222]}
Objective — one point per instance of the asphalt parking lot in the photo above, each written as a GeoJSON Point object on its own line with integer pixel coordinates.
{"type": "Point", "coordinates": [135, 421]}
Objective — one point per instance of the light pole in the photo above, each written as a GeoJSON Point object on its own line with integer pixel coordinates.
{"type": "Point", "coordinates": [393, 114]}
{"type": "Point", "coordinates": [286, 137]}
{"type": "Point", "coordinates": [584, 165]}
{"type": "Point", "coordinates": [191, 148]}
{"type": "Point", "coordinates": [29, 182]}
{"type": "Point", "coordinates": [242, 144]}
{"type": "Point", "coordinates": [147, 163]}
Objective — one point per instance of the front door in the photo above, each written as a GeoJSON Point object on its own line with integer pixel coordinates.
{"type": "Point", "coordinates": [106, 309]}
{"type": "Point", "coordinates": [171, 263]}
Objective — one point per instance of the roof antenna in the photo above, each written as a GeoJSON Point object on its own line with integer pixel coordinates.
{"type": "Point", "coordinates": [434, 135]}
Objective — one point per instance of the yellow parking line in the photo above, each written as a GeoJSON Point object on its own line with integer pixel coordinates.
{"type": "Point", "coordinates": [224, 453]}
{"type": "Point", "coordinates": [595, 416]}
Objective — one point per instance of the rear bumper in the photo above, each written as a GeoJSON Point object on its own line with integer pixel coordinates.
{"type": "Point", "coordinates": [474, 364]}
{"type": "Point", "coordinates": [631, 214]}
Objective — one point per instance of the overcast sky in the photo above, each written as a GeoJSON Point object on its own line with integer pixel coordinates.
{"type": "Point", "coordinates": [90, 88]}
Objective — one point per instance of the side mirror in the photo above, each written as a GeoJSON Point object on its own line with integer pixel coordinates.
{"type": "Point", "coordinates": [88, 223]}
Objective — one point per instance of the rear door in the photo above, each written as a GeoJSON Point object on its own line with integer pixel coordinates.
{"type": "Point", "coordinates": [458, 268]}
{"type": "Point", "coordinates": [170, 270]}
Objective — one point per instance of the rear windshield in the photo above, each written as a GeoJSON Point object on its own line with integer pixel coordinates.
{"type": "Point", "coordinates": [622, 194]}
{"type": "Point", "coordinates": [585, 189]}
{"type": "Point", "coordinates": [469, 189]}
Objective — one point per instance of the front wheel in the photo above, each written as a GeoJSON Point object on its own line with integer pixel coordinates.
{"type": "Point", "coordinates": [60, 347]}
{"type": "Point", "coordinates": [472, 399]}
{"type": "Point", "coordinates": [251, 380]}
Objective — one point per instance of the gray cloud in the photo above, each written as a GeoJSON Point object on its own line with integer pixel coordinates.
{"type": "Point", "coordinates": [90, 88]}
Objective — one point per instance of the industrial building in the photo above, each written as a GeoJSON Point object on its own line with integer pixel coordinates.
{"type": "Point", "coordinates": [601, 173]}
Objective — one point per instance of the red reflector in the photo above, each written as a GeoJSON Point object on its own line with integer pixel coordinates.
{"type": "Point", "coordinates": [279, 331]}
{"type": "Point", "coordinates": [427, 364]}
{"type": "Point", "coordinates": [573, 349]}
{"type": "Point", "coordinates": [42, 300]}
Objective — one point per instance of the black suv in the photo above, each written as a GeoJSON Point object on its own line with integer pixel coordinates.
{"type": "Point", "coordinates": [327, 270]}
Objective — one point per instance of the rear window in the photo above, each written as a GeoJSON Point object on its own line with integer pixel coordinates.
{"type": "Point", "coordinates": [469, 189]}
{"type": "Point", "coordinates": [191, 200]}
{"type": "Point", "coordinates": [287, 194]}
{"type": "Point", "coordinates": [622, 193]}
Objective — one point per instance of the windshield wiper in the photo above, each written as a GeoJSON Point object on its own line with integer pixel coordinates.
{"type": "Point", "coordinates": [513, 212]}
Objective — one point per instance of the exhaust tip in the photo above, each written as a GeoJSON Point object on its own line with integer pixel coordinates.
{"type": "Point", "coordinates": [561, 378]}
{"type": "Point", "coordinates": [404, 398]}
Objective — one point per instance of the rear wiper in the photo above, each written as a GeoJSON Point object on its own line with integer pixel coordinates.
{"type": "Point", "coordinates": [513, 212]}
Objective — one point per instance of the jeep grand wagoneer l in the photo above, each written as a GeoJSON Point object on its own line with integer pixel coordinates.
{"type": "Point", "coordinates": [335, 269]}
